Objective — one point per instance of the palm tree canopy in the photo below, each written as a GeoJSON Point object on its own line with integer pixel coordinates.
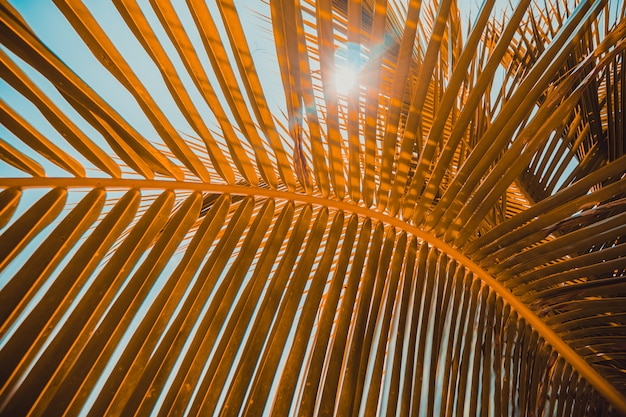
{"type": "Point", "coordinates": [331, 207]}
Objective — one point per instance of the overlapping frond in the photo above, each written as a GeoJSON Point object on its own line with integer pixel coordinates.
{"type": "Point", "coordinates": [200, 217]}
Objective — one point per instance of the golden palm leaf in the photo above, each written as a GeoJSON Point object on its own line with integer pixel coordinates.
{"type": "Point", "coordinates": [199, 217]}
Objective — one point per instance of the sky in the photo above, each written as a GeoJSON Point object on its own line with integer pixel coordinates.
{"type": "Point", "coordinates": [50, 25]}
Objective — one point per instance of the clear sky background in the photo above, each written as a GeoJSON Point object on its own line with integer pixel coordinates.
{"type": "Point", "coordinates": [51, 26]}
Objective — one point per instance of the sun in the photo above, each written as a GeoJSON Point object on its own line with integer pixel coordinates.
{"type": "Point", "coordinates": [346, 79]}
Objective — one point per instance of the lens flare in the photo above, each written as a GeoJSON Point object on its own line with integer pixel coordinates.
{"type": "Point", "coordinates": [346, 79]}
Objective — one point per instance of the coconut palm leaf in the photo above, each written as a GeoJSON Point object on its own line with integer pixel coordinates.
{"type": "Point", "coordinates": [199, 217]}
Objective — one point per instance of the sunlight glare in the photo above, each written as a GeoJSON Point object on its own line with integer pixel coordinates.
{"type": "Point", "coordinates": [346, 79]}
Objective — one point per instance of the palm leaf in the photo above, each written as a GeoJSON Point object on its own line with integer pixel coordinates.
{"type": "Point", "coordinates": [189, 227]}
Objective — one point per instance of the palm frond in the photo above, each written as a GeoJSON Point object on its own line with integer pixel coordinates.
{"type": "Point", "coordinates": [198, 218]}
